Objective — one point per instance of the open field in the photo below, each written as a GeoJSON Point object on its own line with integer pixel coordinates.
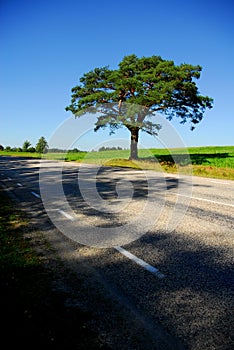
{"type": "Point", "coordinates": [20, 154]}
{"type": "Point", "coordinates": [210, 161]}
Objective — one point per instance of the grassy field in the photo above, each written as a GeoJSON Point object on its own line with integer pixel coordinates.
{"type": "Point", "coordinates": [20, 154]}
{"type": "Point", "coordinates": [210, 161]}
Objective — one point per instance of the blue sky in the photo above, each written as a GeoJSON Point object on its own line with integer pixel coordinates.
{"type": "Point", "coordinates": [46, 46]}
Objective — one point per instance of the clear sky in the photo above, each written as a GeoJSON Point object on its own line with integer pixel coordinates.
{"type": "Point", "coordinates": [46, 46]}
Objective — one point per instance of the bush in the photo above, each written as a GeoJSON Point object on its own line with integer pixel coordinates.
{"type": "Point", "coordinates": [31, 150]}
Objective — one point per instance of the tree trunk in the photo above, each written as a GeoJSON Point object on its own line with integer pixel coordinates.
{"type": "Point", "coordinates": [134, 143]}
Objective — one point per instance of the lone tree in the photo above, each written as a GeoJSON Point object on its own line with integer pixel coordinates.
{"type": "Point", "coordinates": [154, 84]}
{"type": "Point", "coordinates": [26, 146]}
{"type": "Point", "coordinates": [41, 145]}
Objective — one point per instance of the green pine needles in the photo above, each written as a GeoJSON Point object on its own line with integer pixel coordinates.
{"type": "Point", "coordinates": [130, 95]}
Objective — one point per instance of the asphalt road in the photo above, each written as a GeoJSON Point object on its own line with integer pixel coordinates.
{"type": "Point", "coordinates": [176, 276]}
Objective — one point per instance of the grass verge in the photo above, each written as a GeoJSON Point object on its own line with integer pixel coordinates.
{"type": "Point", "coordinates": [216, 162]}
{"type": "Point", "coordinates": [33, 312]}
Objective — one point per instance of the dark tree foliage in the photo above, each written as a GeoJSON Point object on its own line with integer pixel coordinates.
{"type": "Point", "coordinates": [130, 95]}
{"type": "Point", "coordinates": [41, 145]}
{"type": "Point", "coordinates": [26, 146]}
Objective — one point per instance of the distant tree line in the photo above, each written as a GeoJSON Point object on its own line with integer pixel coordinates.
{"type": "Point", "coordinates": [110, 149]}
{"type": "Point", "coordinates": [41, 147]}
{"type": "Point", "coordinates": [58, 150]}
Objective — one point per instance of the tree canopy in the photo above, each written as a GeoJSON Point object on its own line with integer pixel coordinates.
{"type": "Point", "coordinates": [41, 145]}
{"type": "Point", "coordinates": [130, 95]}
{"type": "Point", "coordinates": [26, 146]}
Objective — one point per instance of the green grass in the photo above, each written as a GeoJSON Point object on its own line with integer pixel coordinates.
{"type": "Point", "coordinates": [210, 161]}
{"type": "Point", "coordinates": [20, 154]}
{"type": "Point", "coordinates": [217, 162]}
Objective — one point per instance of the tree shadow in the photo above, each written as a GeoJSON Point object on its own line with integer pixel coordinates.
{"type": "Point", "coordinates": [194, 300]}
{"type": "Point", "coordinates": [186, 159]}
{"type": "Point", "coordinates": [106, 187]}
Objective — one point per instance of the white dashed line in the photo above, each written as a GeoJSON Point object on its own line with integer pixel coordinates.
{"type": "Point", "coordinates": [35, 194]}
{"type": "Point", "coordinates": [140, 262]}
{"type": "Point", "coordinates": [204, 199]}
{"type": "Point", "coordinates": [68, 216]}
{"type": "Point", "coordinates": [19, 184]}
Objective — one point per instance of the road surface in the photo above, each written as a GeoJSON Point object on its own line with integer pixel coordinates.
{"type": "Point", "coordinates": [177, 277]}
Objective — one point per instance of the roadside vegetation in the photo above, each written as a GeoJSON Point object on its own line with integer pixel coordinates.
{"type": "Point", "coordinates": [33, 312]}
{"type": "Point", "coordinates": [216, 162]}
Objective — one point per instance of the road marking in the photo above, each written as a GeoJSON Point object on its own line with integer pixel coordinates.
{"type": "Point", "coordinates": [203, 199]}
{"type": "Point", "coordinates": [68, 216]}
{"type": "Point", "coordinates": [35, 194]}
{"type": "Point", "coordinates": [19, 184]}
{"type": "Point", "coordinates": [140, 262]}
{"type": "Point", "coordinates": [9, 178]}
